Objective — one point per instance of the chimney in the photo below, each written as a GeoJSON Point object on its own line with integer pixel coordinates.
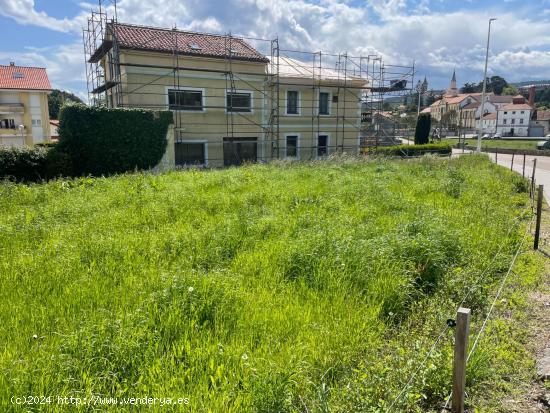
{"type": "Point", "coordinates": [12, 63]}
{"type": "Point", "coordinates": [532, 96]}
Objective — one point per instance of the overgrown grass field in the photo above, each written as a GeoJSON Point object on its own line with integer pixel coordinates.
{"type": "Point", "coordinates": [307, 287]}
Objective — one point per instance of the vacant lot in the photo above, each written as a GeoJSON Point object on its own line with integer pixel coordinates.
{"type": "Point", "coordinates": [310, 287]}
{"type": "Point", "coordinates": [498, 143]}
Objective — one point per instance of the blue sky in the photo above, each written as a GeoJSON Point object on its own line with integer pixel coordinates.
{"type": "Point", "coordinates": [439, 35]}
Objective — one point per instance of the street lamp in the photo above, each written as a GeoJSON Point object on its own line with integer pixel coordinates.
{"type": "Point", "coordinates": [480, 129]}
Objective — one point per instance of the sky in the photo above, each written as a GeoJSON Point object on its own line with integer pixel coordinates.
{"type": "Point", "coordinates": [438, 35]}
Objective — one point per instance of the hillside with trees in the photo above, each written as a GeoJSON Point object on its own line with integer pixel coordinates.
{"type": "Point", "coordinates": [57, 98]}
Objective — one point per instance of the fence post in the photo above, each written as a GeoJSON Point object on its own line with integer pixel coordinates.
{"type": "Point", "coordinates": [523, 173]}
{"type": "Point", "coordinates": [539, 215]}
{"type": "Point", "coordinates": [533, 179]}
{"type": "Point", "coordinates": [496, 156]}
{"type": "Point", "coordinates": [459, 366]}
{"type": "Point", "coordinates": [512, 164]}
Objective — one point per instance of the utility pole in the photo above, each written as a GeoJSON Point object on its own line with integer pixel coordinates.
{"type": "Point", "coordinates": [480, 130]}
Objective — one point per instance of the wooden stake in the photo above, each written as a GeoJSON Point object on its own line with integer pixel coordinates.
{"type": "Point", "coordinates": [539, 214]}
{"type": "Point", "coordinates": [512, 164]}
{"type": "Point", "coordinates": [533, 179]}
{"type": "Point", "coordinates": [523, 173]}
{"type": "Point", "coordinates": [461, 355]}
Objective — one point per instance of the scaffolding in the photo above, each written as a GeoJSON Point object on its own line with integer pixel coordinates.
{"type": "Point", "coordinates": [356, 85]}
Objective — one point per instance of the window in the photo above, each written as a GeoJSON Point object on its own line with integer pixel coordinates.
{"type": "Point", "coordinates": [504, 121]}
{"type": "Point", "coordinates": [18, 75]}
{"type": "Point", "coordinates": [505, 113]}
{"type": "Point", "coordinates": [36, 122]}
{"type": "Point", "coordinates": [190, 153]}
{"type": "Point", "coordinates": [514, 112]}
{"type": "Point", "coordinates": [522, 112]}
{"type": "Point", "coordinates": [292, 146]}
{"type": "Point", "coordinates": [521, 121]}
{"type": "Point", "coordinates": [7, 124]}
{"type": "Point", "coordinates": [322, 145]}
{"type": "Point", "coordinates": [323, 103]}
{"type": "Point", "coordinates": [185, 100]}
{"type": "Point", "coordinates": [292, 102]}
{"type": "Point", "coordinates": [239, 102]}
{"type": "Point", "coordinates": [513, 121]}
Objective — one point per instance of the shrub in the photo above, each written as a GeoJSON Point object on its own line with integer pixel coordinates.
{"type": "Point", "coordinates": [422, 132]}
{"type": "Point", "coordinates": [23, 164]}
{"type": "Point", "coordinates": [103, 141]}
{"type": "Point", "coordinates": [414, 150]}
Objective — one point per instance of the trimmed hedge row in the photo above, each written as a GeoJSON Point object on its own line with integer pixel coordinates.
{"type": "Point", "coordinates": [92, 141]}
{"type": "Point", "coordinates": [102, 141]}
{"type": "Point", "coordinates": [414, 150]}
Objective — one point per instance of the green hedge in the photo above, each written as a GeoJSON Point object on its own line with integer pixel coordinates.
{"type": "Point", "coordinates": [36, 163]}
{"type": "Point", "coordinates": [414, 150]}
{"type": "Point", "coordinates": [102, 141]}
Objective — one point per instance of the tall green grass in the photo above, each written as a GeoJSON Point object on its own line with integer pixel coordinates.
{"type": "Point", "coordinates": [308, 287]}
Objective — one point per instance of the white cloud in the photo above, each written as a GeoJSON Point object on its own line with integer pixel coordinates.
{"type": "Point", "coordinates": [24, 12]}
{"type": "Point", "coordinates": [399, 30]}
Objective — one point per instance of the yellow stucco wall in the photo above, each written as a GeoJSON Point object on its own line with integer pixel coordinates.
{"type": "Point", "coordinates": [147, 77]}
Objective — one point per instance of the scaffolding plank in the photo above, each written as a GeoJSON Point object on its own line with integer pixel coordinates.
{"type": "Point", "coordinates": [101, 51]}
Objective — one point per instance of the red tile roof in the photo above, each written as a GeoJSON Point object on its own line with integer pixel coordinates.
{"type": "Point", "coordinates": [516, 106]}
{"type": "Point", "coordinates": [131, 36]}
{"type": "Point", "coordinates": [490, 116]}
{"type": "Point", "coordinates": [25, 78]}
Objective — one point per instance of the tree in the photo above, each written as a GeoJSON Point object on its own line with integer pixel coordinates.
{"type": "Point", "coordinates": [510, 90]}
{"type": "Point", "coordinates": [468, 88]}
{"type": "Point", "coordinates": [57, 98]}
{"type": "Point", "coordinates": [422, 132]}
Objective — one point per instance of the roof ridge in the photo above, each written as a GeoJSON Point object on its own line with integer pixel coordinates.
{"type": "Point", "coordinates": [25, 67]}
{"type": "Point", "coordinates": [142, 26]}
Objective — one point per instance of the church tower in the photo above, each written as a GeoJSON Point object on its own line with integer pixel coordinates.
{"type": "Point", "coordinates": [453, 91]}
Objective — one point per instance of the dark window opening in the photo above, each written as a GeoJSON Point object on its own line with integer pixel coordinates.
{"type": "Point", "coordinates": [323, 103]}
{"type": "Point", "coordinates": [185, 100]}
{"type": "Point", "coordinates": [292, 102]}
{"type": "Point", "coordinates": [237, 151]}
{"type": "Point", "coordinates": [190, 153]}
{"type": "Point", "coordinates": [239, 102]}
{"type": "Point", "coordinates": [7, 124]}
{"type": "Point", "coordinates": [322, 145]}
{"type": "Point", "coordinates": [292, 146]}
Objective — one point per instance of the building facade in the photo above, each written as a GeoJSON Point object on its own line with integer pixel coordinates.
{"type": "Point", "coordinates": [231, 104]}
{"type": "Point", "coordinates": [24, 115]}
{"type": "Point", "coordinates": [513, 119]}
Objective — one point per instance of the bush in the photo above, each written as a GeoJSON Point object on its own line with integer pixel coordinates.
{"type": "Point", "coordinates": [31, 164]}
{"type": "Point", "coordinates": [422, 132]}
{"type": "Point", "coordinates": [102, 141]}
{"type": "Point", "coordinates": [414, 150]}
{"type": "Point", "coordinates": [23, 164]}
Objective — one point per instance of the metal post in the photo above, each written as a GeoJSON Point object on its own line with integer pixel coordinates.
{"type": "Point", "coordinates": [496, 156]}
{"type": "Point", "coordinates": [539, 214]}
{"type": "Point", "coordinates": [523, 173]}
{"type": "Point", "coordinates": [460, 358]}
{"type": "Point", "coordinates": [512, 164]}
{"type": "Point", "coordinates": [484, 89]}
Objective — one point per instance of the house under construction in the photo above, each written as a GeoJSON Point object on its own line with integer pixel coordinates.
{"type": "Point", "coordinates": [237, 99]}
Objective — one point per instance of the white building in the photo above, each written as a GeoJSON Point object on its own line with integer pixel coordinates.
{"type": "Point", "coordinates": [513, 119]}
{"type": "Point", "coordinates": [488, 123]}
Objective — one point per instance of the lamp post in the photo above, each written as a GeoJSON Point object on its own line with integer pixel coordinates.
{"type": "Point", "coordinates": [480, 129]}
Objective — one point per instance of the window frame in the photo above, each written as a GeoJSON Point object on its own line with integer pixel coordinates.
{"type": "Point", "coordinates": [192, 141]}
{"type": "Point", "coordinates": [188, 89]}
{"type": "Point", "coordinates": [239, 91]}
{"type": "Point", "coordinates": [317, 145]}
{"type": "Point", "coordinates": [329, 96]}
{"type": "Point", "coordinates": [297, 135]}
{"type": "Point", "coordinates": [298, 103]}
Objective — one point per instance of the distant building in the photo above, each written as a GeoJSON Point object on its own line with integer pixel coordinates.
{"type": "Point", "coordinates": [24, 115]}
{"type": "Point", "coordinates": [489, 123]}
{"type": "Point", "coordinates": [513, 119]}
{"type": "Point", "coordinates": [540, 124]}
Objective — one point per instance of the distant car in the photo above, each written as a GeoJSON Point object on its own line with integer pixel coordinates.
{"type": "Point", "coordinates": [543, 145]}
{"type": "Point", "coordinates": [497, 136]}
{"type": "Point", "coordinates": [486, 136]}
{"type": "Point", "coordinates": [548, 136]}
